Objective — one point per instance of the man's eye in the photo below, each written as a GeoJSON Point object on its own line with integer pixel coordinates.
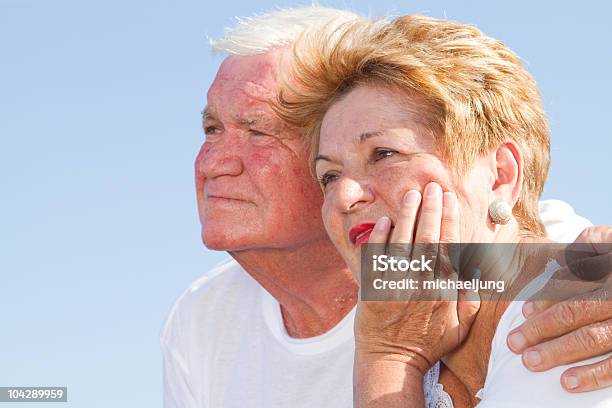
{"type": "Point", "coordinates": [210, 130]}
{"type": "Point", "coordinates": [381, 153]}
{"type": "Point", "coordinates": [327, 178]}
{"type": "Point", "coordinates": [257, 133]}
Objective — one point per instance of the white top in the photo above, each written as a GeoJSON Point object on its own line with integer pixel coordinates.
{"type": "Point", "coordinates": [561, 221]}
{"type": "Point", "coordinates": [510, 384]}
{"type": "Point", "coordinates": [209, 362]}
{"type": "Point", "coordinates": [224, 344]}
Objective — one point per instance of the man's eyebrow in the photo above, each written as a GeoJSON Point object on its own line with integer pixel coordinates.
{"type": "Point", "coordinates": [208, 114]}
{"type": "Point", "coordinates": [255, 118]}
{"type": "Point", "coordinates": [323, 157]}
{"type": "Point", "coordinates": [248, 121]}
{"type": "Point", "coordinates": [367, 135]}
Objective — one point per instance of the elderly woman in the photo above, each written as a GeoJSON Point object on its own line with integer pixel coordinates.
{"type": "Point", "coordinates": [426, 131]}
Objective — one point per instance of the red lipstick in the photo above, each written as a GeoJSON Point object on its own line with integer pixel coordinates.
{"type": "Point", "coordinates": [360, 234]}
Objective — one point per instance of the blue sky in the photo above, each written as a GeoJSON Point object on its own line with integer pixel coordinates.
{"type": "Point", "coordinates": [100, 122]}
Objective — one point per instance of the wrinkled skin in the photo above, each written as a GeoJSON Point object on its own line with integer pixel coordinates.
{"type": "Point", "coordinates": [253, 184]}
{"type": "Point", "coordinates": [366, 180]}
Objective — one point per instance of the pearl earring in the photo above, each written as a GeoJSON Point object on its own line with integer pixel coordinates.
{"type": "Point", "coordinates": [500, 212]}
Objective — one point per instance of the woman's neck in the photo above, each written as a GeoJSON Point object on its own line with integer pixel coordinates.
{"type": "Point", "coordinates": [465, 369]}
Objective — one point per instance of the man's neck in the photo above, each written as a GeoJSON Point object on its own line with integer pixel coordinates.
{"type": "Point", "coordinates": [312, 284]}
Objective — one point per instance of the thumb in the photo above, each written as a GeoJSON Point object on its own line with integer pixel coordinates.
{"type": "Point", "coordinates": [468, 305]}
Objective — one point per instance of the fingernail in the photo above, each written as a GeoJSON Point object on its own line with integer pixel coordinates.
{"type": "Point", "coordinates": [517, 342]}
{"type": "Point", "coordinates": [382, 223]}
{"type": "Point", "coordinates": [528, 309]}
{"type": "Point", "coordinates": [433, 190]}
{"type": "Point", "coordinates": [533, 358]}
{"type": "Point", "coordinates": [571, 382]}
{"type": "Point", "coordinates": [412, 198]}
{"type": "Point", "coordinates": [450, 200]}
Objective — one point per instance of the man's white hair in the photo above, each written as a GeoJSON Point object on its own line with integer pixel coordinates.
{"type": "Point", "coordinates": [261, 33]}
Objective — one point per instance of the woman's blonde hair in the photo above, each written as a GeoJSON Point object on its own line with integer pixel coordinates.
{"type": "Point", "coordinates": [476, 94]}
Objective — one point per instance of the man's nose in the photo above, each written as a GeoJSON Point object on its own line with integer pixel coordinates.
{"type": "Point", "coordinates": [352, 195]}
{"type": "Point", "coordinates": [222, 158]}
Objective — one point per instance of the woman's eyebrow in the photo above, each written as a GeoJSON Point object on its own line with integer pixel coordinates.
{"type": "Point", "coordinates": [367, 135]}
{"type": "Point", "coordinates": [361, 138]}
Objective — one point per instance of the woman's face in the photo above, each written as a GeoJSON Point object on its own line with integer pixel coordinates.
{"type": "Point", "coordinates": [371, 153]}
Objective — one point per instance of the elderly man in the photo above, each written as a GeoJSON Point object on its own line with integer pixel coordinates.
{"type": "Point", "coordinates": [273, 327]}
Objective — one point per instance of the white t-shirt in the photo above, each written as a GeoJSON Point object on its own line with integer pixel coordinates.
{"type": "Point", "coordinates": [510, 384]}
{"type": "Point", "coordinates": [224, 343]}
{"type": "Point", "coordinates": [225, 346]}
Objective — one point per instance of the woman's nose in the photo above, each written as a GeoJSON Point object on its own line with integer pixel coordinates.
{"type": "Point", "coordinates": [222, 158]}
{"type": "Point", "coordinates": [352, 195]}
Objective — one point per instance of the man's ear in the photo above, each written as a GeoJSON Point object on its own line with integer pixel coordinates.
{"type": "Point", "coordinates": [507, 166]}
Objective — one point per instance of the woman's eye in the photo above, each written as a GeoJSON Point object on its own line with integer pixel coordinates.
{"type": "Point", "coordinates": [380, 153]}
{"type": "Point", "coordinates": [327, 178]}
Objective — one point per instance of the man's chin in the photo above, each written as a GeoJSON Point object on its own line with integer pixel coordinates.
{"type": "Point", "coordinates": [225, 241]}
{"type": "Point", "coordinates": [213, 245]}
{"type": "Point", "coordinates": [217, 243]}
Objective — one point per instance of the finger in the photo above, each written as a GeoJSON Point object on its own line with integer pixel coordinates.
{"type": "Point", "coordinates": [428, 228]}
{"type": "Point", "coordinates": [534, 307]}
{"type": "Point", "coordinates": [592, 241]}
{"type": "Point", "coordinates": [589, 377]}
{"type": "Point", "coordinates": [374, 247]}
{"type": "Point", "coordinates": [598, 236]}
{"type": "Point", "coordinates": [586, 342]}
{"type": "Point", "coordinates": [588, 267]}
{"type": "Point", "coordinates": [563, 285]}
{"type": "Point", "coordinates": [561, 318]}
{"type": "Point", "coordinates": [447, 263]}
{"type": "Point", "coordinates": [450, 227]}
{"type": "Point", "coordinates": [405, 224]}
{"type": "Point", "coordinates": [380, 232]}
{"type": "Point", "coordinates": [403, 231]}
{"type": "Point", "coordinates": [449, 236]}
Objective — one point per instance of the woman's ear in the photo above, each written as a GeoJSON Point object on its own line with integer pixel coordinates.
{"type": "Point", "coordinates": [508, 172]}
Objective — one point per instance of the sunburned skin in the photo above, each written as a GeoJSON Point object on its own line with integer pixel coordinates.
{"type": "Point", "coordinates": [253, 183]}
{"type": "Point", "coordinates": [258, 200]}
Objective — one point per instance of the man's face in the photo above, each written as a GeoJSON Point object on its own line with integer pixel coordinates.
{"type": "Point", "coordinates": [253, 185]}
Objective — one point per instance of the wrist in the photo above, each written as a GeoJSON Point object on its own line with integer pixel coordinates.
{"type": "Point", "coordinates": [387, 381]}
{"type": "Point", "coordinates": [412, 362]}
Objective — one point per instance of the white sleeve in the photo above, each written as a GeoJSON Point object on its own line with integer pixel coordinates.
{"type": "Point", "coordinates": [510, 385]}
{"type": "Point", "coordinates": [561, 221]}
{"type": "Point", "coordinates": [178, 392]}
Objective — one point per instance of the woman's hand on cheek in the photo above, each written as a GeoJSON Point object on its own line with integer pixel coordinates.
{"type": "Point", "coordinates": [419, 326]}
